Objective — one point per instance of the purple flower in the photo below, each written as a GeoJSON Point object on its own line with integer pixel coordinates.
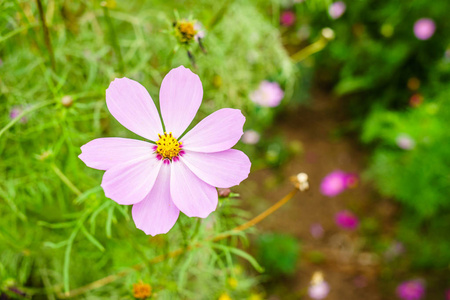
{"type": "Point", "coordinates": [346, 220]}
{"type": "Point", "coordinates": [15, 112]}
{"type": "Point", "coordinates": [316, 230]}
{"type": "Point", "coordinates": [287, 18]}
{"type": "Point", "coordinates": [405, 142]}
{"type": "Point", "coordinates": [318, 288]}
{"type": "Point", "coordinates": [250, 137]}
{"type": "Point", "coordinates": [336, 9]}
{"type": "Point", "coordinates": [411, 290]}
{"type": "Point", "coordinates": [334, 183]}
{"type": "Point", "coordinates": [268, 94]}
{"type": "Point", "coordinates": [167, 175]}
{"type": "Point", "coordinates": [424, 28]}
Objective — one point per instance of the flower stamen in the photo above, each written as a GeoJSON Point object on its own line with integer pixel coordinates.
{"type": "Point", "coordinates": [168, 147]}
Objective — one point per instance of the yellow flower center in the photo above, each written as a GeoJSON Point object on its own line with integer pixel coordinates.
{"type": "Point", "coordinates": [167, 146]}
{"type": "Point", "coordinates": [185, 31]}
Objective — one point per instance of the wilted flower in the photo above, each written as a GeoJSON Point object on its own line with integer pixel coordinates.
{"type": "Point", "coordinates": [287, 18]}
{"type": "Point", "coordinates": [142, 290]}
{"type": "Point", "coordinates": [336, 9]}
{"type": "Point", "coordinates": [318, 288]}
{"type": "Point", "coordinates": [411, 290]}
{"type": "Point", "coordinates": [316, 230]}
{"type": "Point", "coordinates": [250, 137]}
{"type": "Point", "coordinates": [346, 220]}
{"type": "Point", "coordinates": [334, 183]}
{"type": "Point", "coordinates": [424, 28]}
{"type": "Point", "coordinates": [168, 175]}
{"type": "Point", "coordinates": [268, 94]}
{"type": "Point", "coordinates": [224, 192]}
{"type": "Point", "coordinates": [405, 142]}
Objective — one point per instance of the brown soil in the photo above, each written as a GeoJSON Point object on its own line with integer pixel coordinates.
{"type": "Point", "coordinates": [349, 266]}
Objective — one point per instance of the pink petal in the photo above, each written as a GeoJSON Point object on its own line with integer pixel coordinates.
{"type": "Point", "coordinates": [220, 169]}
{"type": "Point", "coordinates": [180, 97]}
{"type": "Point", "coordinates": [219, 131]}
{"type": "Point", "coordinates": [105, 153]}
{"type": "Point", "coordinates": [191, 195]}
{"type": "Point", "coordinates": [130, 103]}
{"type": "Point", "coordinates": [129, 183]}
{"type": "Point", "coordinates": [157, 213]}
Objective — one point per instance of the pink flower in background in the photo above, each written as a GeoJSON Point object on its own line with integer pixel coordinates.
{"type": "Point", "coordinates": [268, 94]}
{"type": "Point", "coordinates": [405, 142]}
{"type": "Point", "coordinates": [169, 175]}
{"type": "Point", "coordinates": [15, 112]}
{"type": "Point", "coordinates": [250, 137]}
{"type": "Point", "coordinates": [351, 180]}
{"type": "Point", "coordinates": [447, 295]}
{"type": "Point", "coordinates": [318, 288]}
{"type": "Point", "coordinates": [287, 18]}
{"type": "Point", "coordinates": [336, 9]}
{"type": "Point", "coordinates": [424, 28]}
{"type": "Point", "coordinates": [411, 290]}
{"type": "Point", "coordinates": [334, 183]}
{"type": "Point", "coordinates": [346, 220]}
{"type": "Point", "coordinates": [201, 33]}
{"type": "Point", "coordinates": [316, 230]}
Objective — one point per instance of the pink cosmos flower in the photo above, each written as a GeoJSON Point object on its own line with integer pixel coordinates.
{"type": "Point", "coordinates": [411, 290]}
{"type": "Point", "coordinates": [287, 18]}
{"type": "Point", "coordinates": [250, 137]}
{"type": "Point", "coordinates": [336, 9]}
{"type": "Point", "coordinates": [334, 183]}
{"type": "Point", "coordinates": [174, 171]}
{"type": "Point", "coordinates": [424, 28]}
{"type": "Point", "coordinates": [346, 220]}
{"type": "Point", "coordinates": [268, 94]}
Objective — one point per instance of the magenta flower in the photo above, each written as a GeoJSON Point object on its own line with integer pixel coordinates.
{"type": "Point", "coordinates": [411, 290]}
{"type": "Point", "coordinates": [287, 18]}
{"type": "Point", "coordinates": [336, 9]}
{"type": "Point", "coordinates": [424, 28]}
{"type": "Point", "coordinates": [173, 172]}
{"type": "Point", "coordinates": [351, 180]}
{"type": "Point", "coordinates": [346, 220]}
{"type": "Point", "coordinates": [334, 183]}
{"type": "Point", "coordinates": [250, 137]}
{"type": "Point", "coordinates": [268, 94]}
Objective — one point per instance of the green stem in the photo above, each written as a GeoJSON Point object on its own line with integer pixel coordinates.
{"type": "Point", "coordinates": [48, 42]}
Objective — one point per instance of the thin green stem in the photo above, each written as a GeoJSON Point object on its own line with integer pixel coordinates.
{"type": "Point", "coordinates": [48, 42]}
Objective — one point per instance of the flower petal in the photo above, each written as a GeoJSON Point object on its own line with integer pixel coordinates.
{"type": "Point", "coordinates": [220, 169]}
{"type": "Point", "coordinates": [180, 97]}
{"type": "Point", "coordinates": [105, 153]}
{"type": "Point", "coordinates": [219, 131]}
{"type": "Point", "coordinates": [131, 105]}
{"type": "Point", "coordinates": [129, 183]}
{"type": "Point", "coordinates": [157, 213]}
{"type": "Point", "coordinates": [191, 195]}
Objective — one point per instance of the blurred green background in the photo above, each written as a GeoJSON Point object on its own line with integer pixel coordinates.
{"type": "Point", "coordinates": [364, 91]}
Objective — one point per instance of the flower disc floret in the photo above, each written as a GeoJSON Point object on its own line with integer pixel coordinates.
{"type": "Point", "coordinates": [167, 147]}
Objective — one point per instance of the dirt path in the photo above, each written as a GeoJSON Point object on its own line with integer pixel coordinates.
{"type": "Point", "coordinates": [348, 267]}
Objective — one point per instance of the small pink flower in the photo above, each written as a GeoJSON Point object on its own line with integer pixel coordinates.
{"type": "Point", "coordinates": [201, 33]}
{"type": "Point", "coordinates": [334, 183]}
{"type": "Point", "coordinates": [424, 28]}
{"type": "Point", "coordinates": [287, 18]}
{"type": "Point", "coordinates": [346, 220]}
{"type": "Point", "coordinates": [411, 290]}
{"type": "Point", "coordinates": [336, 9]}
{"type": "Point", "coordinates": [405, 142]}
{"type": "Point", "coordinates": [169, 174]}
{"type": "Point", "coordinates": [250, 137]}
{"type": "Point", "coordinates": [15, 112]}
{"type": "Point", "coordinates": [351, 180]}
{"type": "Point", "coordinates": [268, 94]}
{"type": "Point", "coordinates": [318, 288]}
{"type": "Point", "coordinates": [316, 230]}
